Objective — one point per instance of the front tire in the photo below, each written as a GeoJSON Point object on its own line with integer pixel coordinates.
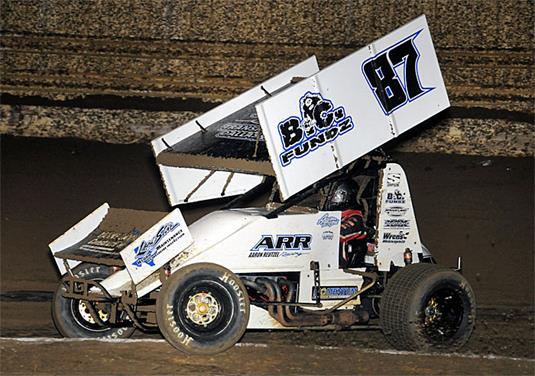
{"type": "Point", "coordinates": [203, 309]}
{"type": "Point", "coordinates": [427, 307]}
{"type": "Point", "coordinates": [71, 316]}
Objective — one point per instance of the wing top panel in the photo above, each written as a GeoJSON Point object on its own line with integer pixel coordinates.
{"type": "Point", "coordinates": [350, 108]}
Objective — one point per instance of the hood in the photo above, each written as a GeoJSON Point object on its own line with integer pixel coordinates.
{"type": "Point", "coordinates": [217, 226]}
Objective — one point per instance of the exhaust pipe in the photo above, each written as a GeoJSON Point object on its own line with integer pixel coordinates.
{"type": "Point", "coordinates": [286, 316]}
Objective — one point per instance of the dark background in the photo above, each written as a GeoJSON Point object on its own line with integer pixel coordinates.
{"type": "Point", "coordinates": [474, 207]}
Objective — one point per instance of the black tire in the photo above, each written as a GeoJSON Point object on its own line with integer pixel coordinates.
{"type": "Point", "coordinates": [203, 309]}
{"type": "Point", "coordinates": [427, 307]}
{"type": "Point", "coordinates": [72, 319]}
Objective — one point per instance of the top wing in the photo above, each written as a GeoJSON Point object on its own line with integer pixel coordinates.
{"type": "Point", "coordinates": [348, 109]}
{"type": "Point", "coordinates": [314, 127]}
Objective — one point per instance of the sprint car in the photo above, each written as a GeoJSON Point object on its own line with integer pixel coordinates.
{"type": "Point", "coordinates": [282, 265]}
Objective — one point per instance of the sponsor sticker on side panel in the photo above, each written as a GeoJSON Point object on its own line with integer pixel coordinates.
{"type": "Point", "coordinates": [395, 237]}
{"type": "Point", "coordinates": [396, 211]}
{"type": "Point", "coordinates": [334, 292]}
{"type": "Point", "coordinates": [328, 220]}
{"type": "Point", "coordinates": [395, 197]}
{"type": "Point", "coordinates": [393, 179]}
{"type": "Point", "coordinates": [163, 241]}
{"type": "Point", "coordinates": [286, 245]}
{"type": "Point", "coordinates": [397, 223]}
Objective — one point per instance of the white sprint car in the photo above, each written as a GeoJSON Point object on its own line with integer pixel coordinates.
{"type": "Point", "coordinates": [283, 265]}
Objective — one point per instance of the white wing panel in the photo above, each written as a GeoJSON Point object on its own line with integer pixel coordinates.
{"type": "Point", "coordinates": [352, 107]}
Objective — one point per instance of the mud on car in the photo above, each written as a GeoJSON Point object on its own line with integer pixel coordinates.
{"type": "Point", "coordinates": [336, 247]}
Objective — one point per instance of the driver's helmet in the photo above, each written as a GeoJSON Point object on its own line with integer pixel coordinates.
{"type": "Point", "coordinates": [344, 196]}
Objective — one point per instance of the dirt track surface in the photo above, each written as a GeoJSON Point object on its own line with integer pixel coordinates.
{"type": "Point", "coordinates": [478, 208]}
{"type": "Point", "coordinates": [247, 358]}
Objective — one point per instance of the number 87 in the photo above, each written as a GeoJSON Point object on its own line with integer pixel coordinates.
{"type": "Point", "coordinates": [391, 92]}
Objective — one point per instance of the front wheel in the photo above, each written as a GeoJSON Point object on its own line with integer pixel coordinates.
{"type": "Point", "coordinates": [71, 316]}
{"type": "Point", "coordinates": [203, 309]}
{"type": "Point", "coordinates": [427, 307]}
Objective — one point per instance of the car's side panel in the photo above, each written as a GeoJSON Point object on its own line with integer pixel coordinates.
{"type": "Point", "coordinates": [286, 243]}
{"type": "Point", "coordinates": [397, 230]}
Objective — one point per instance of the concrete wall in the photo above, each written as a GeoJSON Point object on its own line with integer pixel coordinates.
{"type": "Point", "coordinates": [97, 69]}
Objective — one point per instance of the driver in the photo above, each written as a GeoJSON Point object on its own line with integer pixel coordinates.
{"type": "Point", "coordinates": [353, 227]}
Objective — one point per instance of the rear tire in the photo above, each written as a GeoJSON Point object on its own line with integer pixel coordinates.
{"type": "Point", "coordinates": [72, 318]}
{"type": "Point", "coordinates": [203, 309]}
{"type": "Point", "coordinates": [427, 307]}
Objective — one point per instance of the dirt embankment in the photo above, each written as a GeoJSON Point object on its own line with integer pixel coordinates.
{"type": "Point", "coordinates": [106, 73]}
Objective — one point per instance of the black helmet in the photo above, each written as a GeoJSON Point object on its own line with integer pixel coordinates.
{"type": "Point", "coordinates": [344, 196]}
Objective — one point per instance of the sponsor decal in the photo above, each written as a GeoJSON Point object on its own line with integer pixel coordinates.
{"type": "Point", "coordinates": [393, 75]}
{"type": "Point", "coordinates": [334, 292]}
{"type": "Point", "coordinates": [320, 123]}
{"type": "Point", "coordinates": [240, 130]}
{"type": "Point", "coordinates": [396, 197]}
{"type": "Point", "coordinates": [109, 242]}
{"type": "Point", "coordinates": [327, 220]}
{"type": "Point", "coordinates": [391, 237]}
{"type": "Point", "coordinates": [396, 211]}
{"type": "Point", "coordinates": [147, 251]}
{"type": "Point", "coordinates": [393, 179]}
{"type": "Point", "coordinates": [281, 245]}
{"type": "Point", "coordinates": [290, 254]}
{"type": "Point", "coordinates": [397, 223]}
{"type": "Point", "coordinates": [327, 235]}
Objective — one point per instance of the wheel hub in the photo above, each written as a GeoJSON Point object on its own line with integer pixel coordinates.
{"type": "Point", "coordinates": [86, 315]}
{"type": "Point", "coordinates": [202, 308]}
{"type": "Point", "coordinates": [432, 312]}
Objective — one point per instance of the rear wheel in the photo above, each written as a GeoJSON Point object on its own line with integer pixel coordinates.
{"type": "Point", "coordinates": [427, 307]}
{"type": "Point", "coordinates": [203, 309]}
{"type": "Point", "coordinates": [72, 317]}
